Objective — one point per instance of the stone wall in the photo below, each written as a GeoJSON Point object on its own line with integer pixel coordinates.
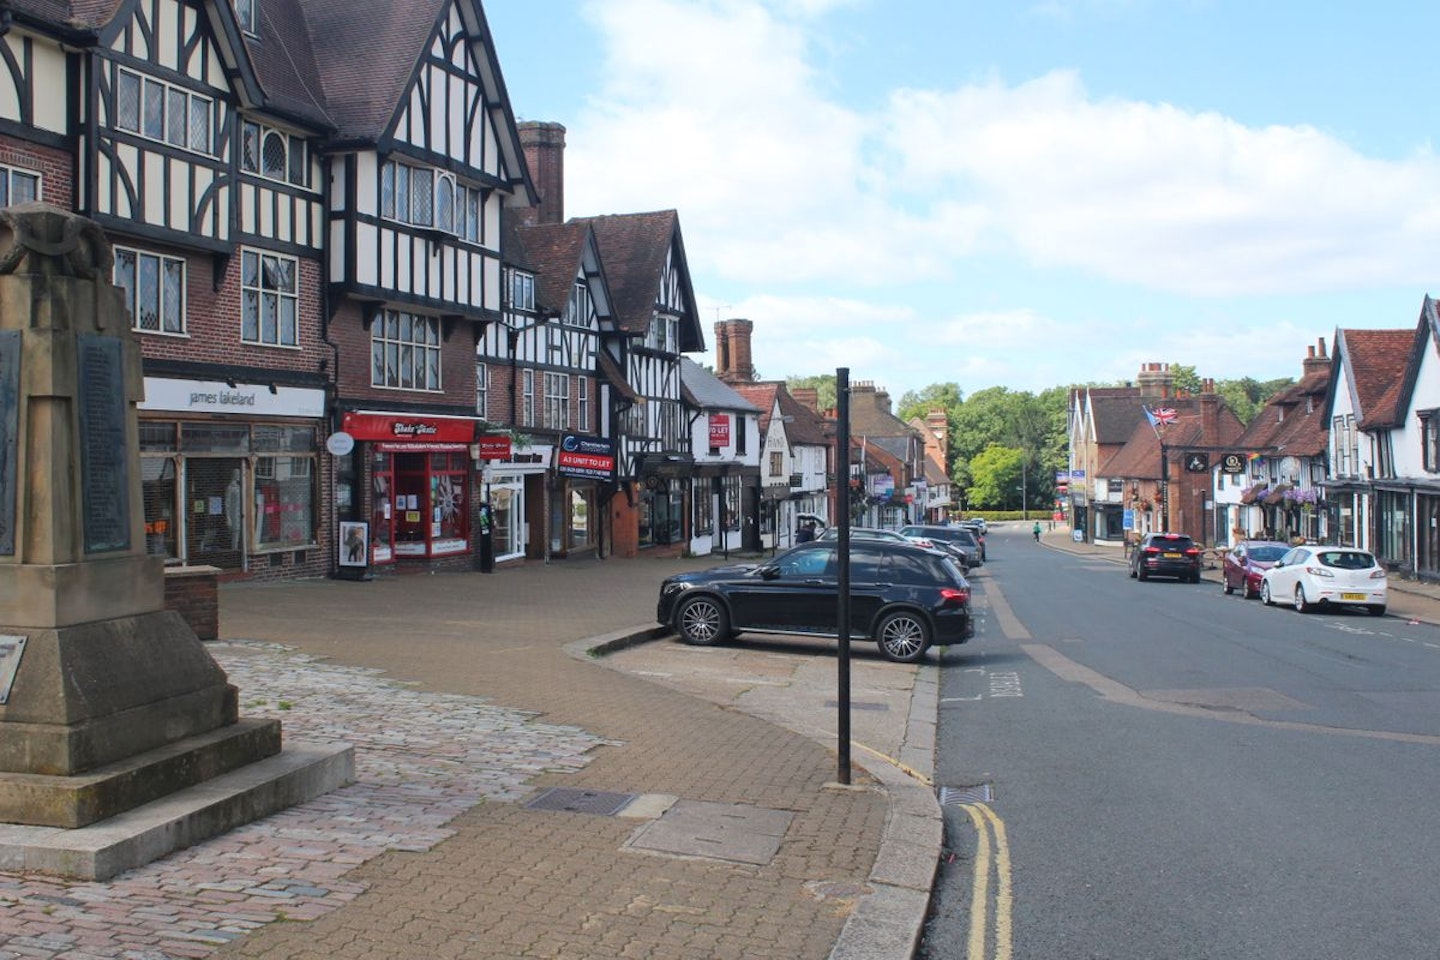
{"type": "Point", "coordinates": [194, 593]}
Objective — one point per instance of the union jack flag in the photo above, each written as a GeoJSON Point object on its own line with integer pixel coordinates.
{"type": "Point", "coordinates": [1161, 416]}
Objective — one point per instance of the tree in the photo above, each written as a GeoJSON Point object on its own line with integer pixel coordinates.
{"type": "Point", "coordinates": [823, 384]}
{"type": "Point", "coordinates": [995, 475]}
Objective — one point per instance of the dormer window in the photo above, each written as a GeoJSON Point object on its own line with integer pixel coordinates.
{"type": "Point", "coordinates": [423, 197]}
{"type": "Point", "coordinates": [248, 13]}
{"type": "Point", "coordinates": [663, 334]}
{"type": "Point", "coordinates": [522, 291]}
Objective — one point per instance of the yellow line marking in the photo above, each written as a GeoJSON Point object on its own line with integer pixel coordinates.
{"type": "Point", "coordinates": [980, 892]}
{"type": "Point", "coordinates": [987, 823]}
{"type": "Point", "coordinates": [906, 769]}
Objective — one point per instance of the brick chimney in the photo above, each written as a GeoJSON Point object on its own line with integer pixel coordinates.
{"type": "Point", "coordinates": [1315, 359]}
{"type": "Point", "coordinates": [809, 396]}
{"type": "Point", "coordinates": [1156, 380]}
{"type": "Point", "coordinates": [937, 427]}
{"type": "Point", "coordinates": [732, 351]}
{"type": "Point", "coordinates": [1209, 412]}
{"type": "Point", "coordinates": [544, 146]}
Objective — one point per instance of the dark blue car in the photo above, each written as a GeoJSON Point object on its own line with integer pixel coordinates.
{"type": "Point", "coordinates": [903, 597]}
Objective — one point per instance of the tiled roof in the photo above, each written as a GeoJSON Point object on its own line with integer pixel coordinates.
{"type": "Point", "coordinates": [1375, 364]}
{"type": "Point", "coordinates": [285, 64]}
{"type": "Point", "coordinates": [1139, 458]}
{"type": "Point", "coordinates": [554, 250]}
{"type": "Point", "coordinates": [1292, 423]}
{"type": "Point", "coordinates": [804, 424]}
{"type": "Point", "coordinates": [635, 248]}
{"type": "Point", "coordinates": [1114, 415]}
{"type": "Point", "coordinates": [708, 392]}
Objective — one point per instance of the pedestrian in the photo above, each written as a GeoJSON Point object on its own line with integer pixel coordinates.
{"type": "Point", "coordinates": [1036, 531]}
{"type": "Point", "coordinates": [806, 533]}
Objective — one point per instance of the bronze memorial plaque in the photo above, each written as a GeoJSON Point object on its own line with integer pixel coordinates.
{"type": "Point", "coordinates": [9, 435]}
{"type": "Point", "coordinates": [104, 463]}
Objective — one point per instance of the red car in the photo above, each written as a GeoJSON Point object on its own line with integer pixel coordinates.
{"type": "Point", "coordinates": [1247, 562]}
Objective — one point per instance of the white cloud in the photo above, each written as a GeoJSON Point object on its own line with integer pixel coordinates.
{"type": "Point", "coordinates": [866, 228]}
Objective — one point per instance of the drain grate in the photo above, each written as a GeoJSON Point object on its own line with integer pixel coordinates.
{"type": "Point", "coordinates": [570, 800]}
{"type": "Point", "coordinates": [954, 796]}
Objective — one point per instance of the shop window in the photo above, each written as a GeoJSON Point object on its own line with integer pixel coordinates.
{"type": "Point", "coordinates": [158, 486]}
{"type": "Point", "coordinates": [503, 520]}
{"type": "Point", "coordinates": [432, 504]}
{"type": "Point", "coordinates": [382, 509]}
{"type": "Point", "coordinates": [703, 519]}
{"type": "Point", "coordinates": [215, 511]}
{"type": "Point", "coordinates": [581, 531]}
{"type": "Point", "coordinates": [284, 502]}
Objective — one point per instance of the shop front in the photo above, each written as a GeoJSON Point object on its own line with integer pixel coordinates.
{"type": "Point", "coordinates": [584, 465]}
{"type": "Point", "coordinates": [231, 475]}
{"type": "Point", "coordinates": [417, 478]}
{"type": "Point", "coordinates": [511, 482]}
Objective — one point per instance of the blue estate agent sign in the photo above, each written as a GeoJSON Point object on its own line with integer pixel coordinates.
{"type": "Point", "coordinates": [586, 457]}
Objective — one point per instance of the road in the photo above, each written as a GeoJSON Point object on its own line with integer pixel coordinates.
{"type": "Point", "coordinates": [1155, 770]}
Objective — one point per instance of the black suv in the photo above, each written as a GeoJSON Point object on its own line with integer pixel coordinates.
{"type": "Point", "coordinates": [904, 597]}
{"type": "Point", "coordinates": [1165, 555]}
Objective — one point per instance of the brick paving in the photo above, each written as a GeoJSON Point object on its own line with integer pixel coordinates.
{"type": "Point", "coordinates": [462, 701]}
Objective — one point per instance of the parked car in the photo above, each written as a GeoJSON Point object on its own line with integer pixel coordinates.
{"type": "Point", "coordinates": [979, 522]}
{"type": "Point", "coordinates": [977, 527]}
{"type": "Point", "coordinates": [903, 597]}
{"type": "Point", "coordinates": [960, 541]}
{"type": "Point", "coordinates": [1246, 562]}
{"type": "Point", "coordinates": [1165, 555]}
{"type": "Point", "coordinates": [1310, 577]}
{"type": "Point", "coordinates": [874, 533]}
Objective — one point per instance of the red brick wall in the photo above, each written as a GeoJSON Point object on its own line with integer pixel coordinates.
{"type": "Point", "coordinates": [193, 592]}
{"type": "Point", "coordinates": [457, 364]}
{"type": "Point", "coordinates": [56, 169]}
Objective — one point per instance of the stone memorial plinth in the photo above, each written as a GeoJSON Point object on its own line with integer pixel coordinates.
{"type": "Point", "coordinates": [107, 700]}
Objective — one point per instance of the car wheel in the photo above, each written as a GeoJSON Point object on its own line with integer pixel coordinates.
{"type": "Point", "coordinates": [1195, 577]}
{"type": "Point", "coordinates": [1301, 606]}
{"type": "Point", "coordinates": [1132, 572]}
{"type": "Point", "coordinates": [1378, 610]}
{"type": "Point", "coordinates": [1227, 586]}
{"type": "Point", "coordinates": [702, 621]}
{"type": "Point", "coordinates": [1143, 575]}
{"type": "Point", "coordinates": [1265, 597]}
{"type": "Point", "coordinates": [1248, 593]}
{"type": "Point", "coordinates": [903, 637]}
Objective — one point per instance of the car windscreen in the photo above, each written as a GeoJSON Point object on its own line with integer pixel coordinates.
{"type": "Point", "coordinates": [1265, 554]}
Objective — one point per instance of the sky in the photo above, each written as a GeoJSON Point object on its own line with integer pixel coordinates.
{"type": "Point", "coordinates": [1017, 194]}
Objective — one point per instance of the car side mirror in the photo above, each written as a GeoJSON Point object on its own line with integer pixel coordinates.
{"type": "Point", "coordinates": [769, 572]}
{"type": "Point", "coordinates": [1278, 563]}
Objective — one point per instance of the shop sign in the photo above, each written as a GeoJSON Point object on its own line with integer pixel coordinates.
{"type": "Point", "coordinates": [219, 396]}
{"type": "Point", "coordinates": [719, 430]}
{"type": "Point", "coordinates": [409, 428]}
{"type": "Point", "coordinates": [495, 447]}
{"type": "Point", "coordinates": [586, 457]}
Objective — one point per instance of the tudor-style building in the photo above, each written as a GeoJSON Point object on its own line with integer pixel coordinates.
{"type": "Point", "coordinates": [642, 416]}
{"type": "Point", "coordinates": [304, 201]}
{"type": "Point", "coordinates": [165, 123]}
{"type": "Point", "coordinates": [424, 159]}
{"type": "Point", "coordinates": [536, 375]}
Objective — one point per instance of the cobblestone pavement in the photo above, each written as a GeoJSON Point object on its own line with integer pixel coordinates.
{"type": "Point", "coordinates": [425, 759]}
{"type": "Point", "coordinates": [464, 699]}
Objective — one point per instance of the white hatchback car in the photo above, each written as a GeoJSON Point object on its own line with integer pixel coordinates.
{"type": "Point", "coordinates": [1311, 577]}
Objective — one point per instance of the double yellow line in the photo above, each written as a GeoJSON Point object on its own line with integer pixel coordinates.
{"type": "Point", "coordinates": [992, 860]}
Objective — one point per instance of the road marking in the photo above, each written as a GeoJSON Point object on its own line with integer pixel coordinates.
{"type": "Point", "coordinates": [1010, 624]}
{"type": "Point", "coordinates": [1005, 685]}
{"type": "Point", "coordinates": [1115, 691]}
{"type": "Point", "coordinates": [990, 853]}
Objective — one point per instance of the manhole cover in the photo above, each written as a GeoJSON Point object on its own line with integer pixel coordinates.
{"type": "Point", "coordinates": [581, 801]}
{"type": "Point", "coordinates": [722, 831]}
{"type": "Point", "coordinates": [979, 793]}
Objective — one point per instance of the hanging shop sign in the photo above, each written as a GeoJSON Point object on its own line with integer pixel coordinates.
{"type": "Point", "coordinates": [495, 447]}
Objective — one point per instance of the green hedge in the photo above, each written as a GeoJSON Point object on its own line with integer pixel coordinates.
{"type": "Point", "coordinates": [993, 515]}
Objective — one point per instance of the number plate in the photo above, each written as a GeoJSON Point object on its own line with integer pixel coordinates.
{"type": "Point", "coordinates": [1352, 596]}
{"type": "Point", "coordinates": [1172, 556]}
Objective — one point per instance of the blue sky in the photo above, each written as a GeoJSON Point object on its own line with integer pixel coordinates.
{"type": "Point", "coordinates": [1018, 194]}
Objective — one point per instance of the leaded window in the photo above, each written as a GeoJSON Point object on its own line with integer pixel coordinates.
{"type": "Point", "coordinates": [269, 297]}
{"type": "Point", "coordinates": [274, 154]}
{"type": "Point", "coordinates": [248, 13]}
{"type": "Point", "coordinates": [557, 401]}
{"type": "Point", "coordinates": [162, 111]}
{"type": "Point", "coordinates": [153, 287]}
{"type": "Point", "coordinates": [482, 390]}
{"type": "Point", "coordinates": [18, 186]}
{"type": "Point", "coordinates": [405, 351]}
{"type": "Point", "coordinates": [423, 197]}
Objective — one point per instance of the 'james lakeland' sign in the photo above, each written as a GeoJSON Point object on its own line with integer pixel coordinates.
{"type": "Point", "coordinates": [211, 396]}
